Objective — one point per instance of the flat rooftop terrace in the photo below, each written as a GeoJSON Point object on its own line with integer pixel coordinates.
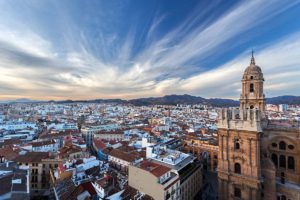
{"type": "Point", "coordinates": [173, 159]}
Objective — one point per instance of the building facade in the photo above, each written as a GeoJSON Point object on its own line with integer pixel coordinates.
{"type": "Point", "coordinates": [158, 181]}
{"type": "Point", "coordinates": [258, 158]}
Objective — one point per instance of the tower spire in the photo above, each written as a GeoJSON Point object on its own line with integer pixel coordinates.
{"type": "Point", "coordinates": [252, 58]}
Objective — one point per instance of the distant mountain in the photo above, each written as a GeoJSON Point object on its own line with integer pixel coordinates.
{"type": "Point", "coordinates": [92, 101]}
{"type": "Point", "coordinates": [170, 100]}
{"type": "Point", "coordinates": [25, 100]}
{"type": "Point", "coordinates": [183, 99]}
{"type": "Point", "coordinates": [217, 102]}
{"type": "Point", "coordinates": [287, 99]}
{"type": "Point", "coordinates": [223, 102]}
{"type": "Point", "coordinates": [21, 100]}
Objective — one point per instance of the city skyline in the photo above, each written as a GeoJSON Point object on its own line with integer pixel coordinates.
{"type": "Point", "coordinates": [131, 49]}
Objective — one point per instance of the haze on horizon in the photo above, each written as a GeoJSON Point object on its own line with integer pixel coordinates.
{"type": "Point", "coordinates": [130, 49]}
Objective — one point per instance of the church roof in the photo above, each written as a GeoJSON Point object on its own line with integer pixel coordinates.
{"type": "Point", "coordinates": [253, 70]}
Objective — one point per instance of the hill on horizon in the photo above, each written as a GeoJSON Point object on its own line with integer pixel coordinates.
{"type": "Point", "coordinates": [171, 100]}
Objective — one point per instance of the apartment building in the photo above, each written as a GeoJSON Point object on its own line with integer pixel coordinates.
{"type": "Point", "coordinates": [158, 181]}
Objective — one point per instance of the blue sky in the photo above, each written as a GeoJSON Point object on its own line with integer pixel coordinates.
{"type": "Point", "coordinates": [76, 49]}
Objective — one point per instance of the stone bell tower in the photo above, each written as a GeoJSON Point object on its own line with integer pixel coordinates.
{"type": "Point", "coordinates": [239, 137]}
{"type": "Point", "coordinates": [252, 96]}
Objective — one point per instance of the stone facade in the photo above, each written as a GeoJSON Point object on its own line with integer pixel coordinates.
{"type": "Point", "coordinates": [205, 152]}
{"type": "Point", "coordinates": [258, 158]}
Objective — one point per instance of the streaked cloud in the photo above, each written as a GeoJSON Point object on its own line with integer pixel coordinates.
{"type": "Point", "coordinates": [80, 62]}
{"type": "Point", "coordinates": [279, 62]}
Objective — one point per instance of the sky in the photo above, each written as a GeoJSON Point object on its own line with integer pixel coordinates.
{"type": "Point", "coordinates": [77, 49]}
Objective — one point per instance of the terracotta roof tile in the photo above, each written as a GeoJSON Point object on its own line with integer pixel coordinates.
{"type": "Point", "coordinates": [154, 168]}
{"type": "Point", "coordinates": [122, 155]}
{"type": "Point", "coordinates": [99, 144]}
{"type": "Point", "coordinates": [32, 157]}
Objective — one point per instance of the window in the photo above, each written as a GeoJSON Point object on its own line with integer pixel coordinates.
{"type": "Point", "coordinates": [251, 77]}
{"type": "Point", "coordinates": [291, 147]}
{"type": "Point", "coordinates": [274, 144]}
{"type": "Point", "coordinates": [251, 107]}
{"type": "Point", "coordinates": [282, 161]}
{"type": "Point", "coordinates": [237, 192]}
{"type": "Point", "coordinates": [251, 87]}
{"type": "Point", "coordinates": [237, 168]}
{"type": "Point", "coordinates": [275, 159]}
{"type": "Point", "coordinates": [282, 145]}
{"type": "Point", "coordinates": [291, 163]}
{"type": "Point", "coordinates": [283, 197]}
{"type": "Point", "coordinates": [237, 145]}
{"type": "Point", "coordinates": [168, 195]}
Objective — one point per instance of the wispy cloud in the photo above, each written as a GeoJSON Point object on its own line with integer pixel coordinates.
{"type": "Point", "coordinates": [81, 65]}
{"type": "Point", "coordinates": [279, 62]}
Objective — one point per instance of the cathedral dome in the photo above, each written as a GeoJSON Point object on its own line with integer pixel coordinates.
{"type": "Point", "coordinates": [253, 71]}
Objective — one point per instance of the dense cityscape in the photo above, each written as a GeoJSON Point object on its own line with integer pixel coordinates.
{"type": "Point", "coordinates": [149, 100]}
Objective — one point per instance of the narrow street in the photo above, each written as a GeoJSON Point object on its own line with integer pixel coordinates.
{"type": "Point", "coordinates": [210, 186]}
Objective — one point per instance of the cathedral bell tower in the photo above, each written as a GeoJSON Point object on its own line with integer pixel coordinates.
{"type": "Point", "coordinates": [252, 96]}
{"type": "Point", "coordinates": [239, 137]}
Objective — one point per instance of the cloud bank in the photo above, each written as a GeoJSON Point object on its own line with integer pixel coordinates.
{"type": "Point", "coordinates": [57, 56]}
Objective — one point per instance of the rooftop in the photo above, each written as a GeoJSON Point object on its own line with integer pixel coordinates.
{"type": "Point", "coordinates": [172, 158]}
{"type": "Point", "coordinates": [154, 168]}
{"type": "Point", "coordinates": [32, 157]}
{"type": "Point", "coordinates": [283, 125]}
{"type": "Point", "coordinates": [129, 157]}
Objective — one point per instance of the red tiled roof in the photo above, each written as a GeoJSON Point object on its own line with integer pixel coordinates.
{"type": "Point", "coordinates": [99, 144]}
{"type": "Point", "coordinates": [66, 150]}
{"type": "Point", "coordinates": [154, 168]}
{"type": "Point", "coordinates": [42, 143]}
{"type": "Point", "coordinates": [32, 157]}
{"type": "Point", "coordinates": [89, 187]}
{"type": "Point", "coordinates": [122, 155]}
{"type": "Point", "coordinates": [11, 142]}
{"type": "Point", "coordinates": [130, 193]}
{"type": "Point", "coordinates": [9, 153]}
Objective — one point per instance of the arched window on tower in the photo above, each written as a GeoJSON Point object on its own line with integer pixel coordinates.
{"type": "Point", "coordinates": [282, 161]}
{"type": "Point", "coordinates": [291, 162]}
{"type": "Point", "coordinates": [282, 145]}
{"type": "Point", "coordinates": [275, 159]}
{"type": "Point", "coordinates": [237, 168]}
{"type": "Point", "coordinates": [237, 192]}
{"type": "Point", "coordinates": [251, 87]}
{"type": "Point", "coordinates": [237, 145]}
